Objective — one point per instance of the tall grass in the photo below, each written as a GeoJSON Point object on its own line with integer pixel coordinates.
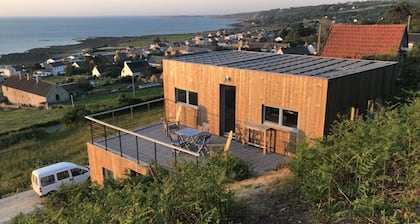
{"type": "Point", "coordinates": [18, 160]}
{"type": "Point", "coordinates": [17, 119]}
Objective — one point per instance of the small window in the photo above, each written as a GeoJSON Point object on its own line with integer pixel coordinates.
{"type": "Point", "coordinates": [47, 180]}
{"type": "Point", "coordinates": [282, 117]}
{"type": "Point", "coordinates": [271, 114]}
{"type": "Point", "coordinates": [57, 97]}
{"type": "Point", "coordinates": [181, 95]}
{"type": "Point", "coordinates": [290, 118]}
{"type": "Point", "coordinates": [63, 175]}
{"type": "Point", "coordinates": [77, 171]}
{"type": "Point", "coordinates": [107, 174]}
{"type": "Point", "coordinates": [192, 98]}
{"type": "Point", "coordinates": [187, 97]}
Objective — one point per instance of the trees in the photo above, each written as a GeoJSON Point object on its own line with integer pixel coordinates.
{"type": "Point", "coordinates": [365, 171]}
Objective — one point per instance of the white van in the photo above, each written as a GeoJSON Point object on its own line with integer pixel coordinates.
{"type": "Point", "coordinates": [50, 178]}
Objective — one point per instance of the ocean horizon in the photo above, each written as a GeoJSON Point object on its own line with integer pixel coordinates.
{"type": "Point", "coordinates": [20, 34]}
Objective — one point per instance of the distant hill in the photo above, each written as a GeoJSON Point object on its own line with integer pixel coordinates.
{"type": "Point", "coordinates": [366, 12]}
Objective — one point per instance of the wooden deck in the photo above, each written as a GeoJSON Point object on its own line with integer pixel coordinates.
{"type": "Point", "coordinates": [143, 151]}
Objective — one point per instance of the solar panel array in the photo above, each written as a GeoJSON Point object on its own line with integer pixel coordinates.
{"type": "Point", "coordinates": [284, 64]}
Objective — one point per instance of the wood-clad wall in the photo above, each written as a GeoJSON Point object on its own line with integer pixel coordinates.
{"type": "Point", "coordinates": [306, 95]}
{"type": "Point", "coordinates": [355, 91]}
{"type": "Point", "coordinates": [100, 158]}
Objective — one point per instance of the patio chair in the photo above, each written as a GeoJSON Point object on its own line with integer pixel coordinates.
{"type": "Point", "coordinates": [175, 140]}
{"type": "Point", "coordinates": [225, 146]}
{"type": "Point", "coordinates": [202, 142]}
{"type": "Point", "coordinates": [172, 123]}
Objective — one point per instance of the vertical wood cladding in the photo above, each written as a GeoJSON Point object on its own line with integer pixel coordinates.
{"type": "Point", "coordinates": [316, 99]}
{"type": "Point", "coordinates": [100, 158]}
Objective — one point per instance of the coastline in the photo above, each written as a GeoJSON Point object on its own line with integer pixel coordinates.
{"type": "Point", "coordinates": [37, 55]}
{"type": "Point", "coordinates": [40, 54]}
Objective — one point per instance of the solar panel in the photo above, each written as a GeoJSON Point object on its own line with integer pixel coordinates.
{"type": "Point", "coordinates": [290, 64]}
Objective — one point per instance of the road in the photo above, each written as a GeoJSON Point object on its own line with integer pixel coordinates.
{"type": "Point", "coordinates": [23, 202]}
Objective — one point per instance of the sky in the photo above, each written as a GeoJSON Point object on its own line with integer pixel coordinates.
{"type": "Point", "coordinates": [45, 8]}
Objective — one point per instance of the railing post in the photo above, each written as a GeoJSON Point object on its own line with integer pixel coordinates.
{"type": "Point", "coordinates": [91, 131]}
{"type": "Point", "coordinates": [155, 154]}
{"type": "Point", "coordinates": [119, 138]}
{"type": "Point", "coordinates": [137, 150]}
{"type": "Point", "coordinates": [106, 143]}
{"type": "Point", "coordinates": [175, 156]}
{"type": "Point", "coordinates": [148, 107]}
{"type": "Point", "coordinates": [132, 113]}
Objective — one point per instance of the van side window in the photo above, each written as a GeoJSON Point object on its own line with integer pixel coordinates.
{"type": "Point", "coordinates": [47, 180]}
{"type": "Point", "coordinates": [77, 172]}
{"type": "Point", "coordinates": [62, 175]}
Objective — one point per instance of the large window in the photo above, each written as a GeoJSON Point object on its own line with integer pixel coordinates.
{"type": "Point", "coordinates": [279, 116]}
{"type": "Point", "coordinates": [185, 96]}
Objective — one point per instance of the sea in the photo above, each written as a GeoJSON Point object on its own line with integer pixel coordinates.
{"type": "Point", "coordinates": [21, 34]}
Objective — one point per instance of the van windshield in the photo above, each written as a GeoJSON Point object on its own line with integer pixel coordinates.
{"type": "Point", "coordinates": [47, 180]}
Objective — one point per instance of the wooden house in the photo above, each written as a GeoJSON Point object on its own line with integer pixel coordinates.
{"type": "Point", "coordinates": [36, 92]}
{"type": "Point", "coordinates": [289, 96]}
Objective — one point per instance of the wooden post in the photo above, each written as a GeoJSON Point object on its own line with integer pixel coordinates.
{"type": "Point", "coordinates": [318, 44]}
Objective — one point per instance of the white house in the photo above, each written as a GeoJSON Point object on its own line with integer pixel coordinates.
{"type": "Point", "coordinates": [134, 68]}
{"type": "Point", "coordinates": [56, 68]}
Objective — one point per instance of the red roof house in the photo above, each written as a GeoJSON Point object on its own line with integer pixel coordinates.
{"type": "Point", "coordinates": [359, 41]}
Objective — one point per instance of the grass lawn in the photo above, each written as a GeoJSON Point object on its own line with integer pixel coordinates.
{"type": "Point", "coordinates": [16, 119]}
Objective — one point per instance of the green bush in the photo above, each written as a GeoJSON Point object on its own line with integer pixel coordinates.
{"type": "Point", "coordinates": [365, 171]}
{"type": "Point", "coordinates": [76, 116]}
{"type": "Point", "coordinates": [188, 194]}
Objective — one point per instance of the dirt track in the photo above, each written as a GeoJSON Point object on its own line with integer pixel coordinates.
{"type": "Point", "coordinates": [23, 202]}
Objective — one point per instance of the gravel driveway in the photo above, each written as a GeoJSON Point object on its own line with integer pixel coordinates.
{"type": "Point", "coordinates": [23, 202]}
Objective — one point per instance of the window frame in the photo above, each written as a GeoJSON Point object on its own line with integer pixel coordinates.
{"type": "Point", "coordinates": [61, 176]}
{"type": "Point", "coordinates": [280, 117]}
{"type": "Point", "coordinates": [189, 96]}
{"type": "Point", "coordinates": [47, 180]}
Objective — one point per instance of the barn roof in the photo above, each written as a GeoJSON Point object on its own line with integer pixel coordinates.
{"type": "Point", "coordinates": [41, 88]}
{"type": "Point", "coordinates": [358, 41]}
{"type": "Point", "coordinates": [304, 65]}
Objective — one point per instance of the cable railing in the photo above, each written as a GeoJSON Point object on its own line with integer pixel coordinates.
{"type": "Point", "coordinates": [118, 131]}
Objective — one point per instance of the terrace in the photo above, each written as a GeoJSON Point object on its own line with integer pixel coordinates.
{"type": "Point", "coordinates": [136, 134]}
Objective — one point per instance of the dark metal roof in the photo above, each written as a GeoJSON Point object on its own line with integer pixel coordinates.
{"type": "Point", "coordinates": [34, 86]}
{"type": "Point", "coordinates": [284, 64]}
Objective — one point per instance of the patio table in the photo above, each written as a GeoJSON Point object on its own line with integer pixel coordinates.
{"type": "Point", "coordinates": [189, 135]}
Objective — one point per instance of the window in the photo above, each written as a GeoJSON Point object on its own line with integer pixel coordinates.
{"type": "Point", "coordinates": [282, 117]}
{"type": "Point", "coordinates": [77, 172]}
{"type": "Point", "coordinates": [185, 96]}
{"type": "Point", "coordinates": [47, 180]}
{"type": "Point", "coordinates": [108, 174]}
{"type": "Point", "coordinates": [57, 97]}
{"type": "Point", "coordinates": [63, 175]}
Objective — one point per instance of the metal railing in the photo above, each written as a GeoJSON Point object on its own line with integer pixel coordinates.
{"type": "Point", "coordinates": [113, 131]}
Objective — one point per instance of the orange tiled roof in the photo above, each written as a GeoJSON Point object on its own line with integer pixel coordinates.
{"type": "Point", "coordinates": [357, 41]}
